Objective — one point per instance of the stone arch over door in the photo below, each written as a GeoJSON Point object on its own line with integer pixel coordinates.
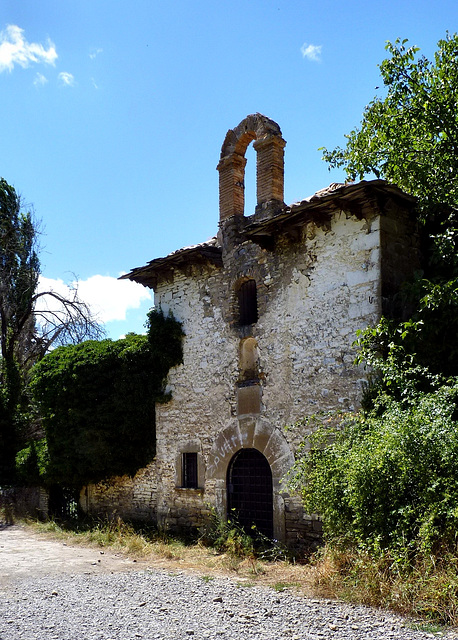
{"type": "Point", "coordinates": [269, 146]}
{"type": "Point", "coordinates": [268, 440]}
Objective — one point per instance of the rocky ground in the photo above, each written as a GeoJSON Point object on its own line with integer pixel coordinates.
{"type": "Point", "coordinates": [50, 590]}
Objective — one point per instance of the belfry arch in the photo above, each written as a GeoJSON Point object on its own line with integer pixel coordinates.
{"type": "Point", "coordinates": [269, 146]}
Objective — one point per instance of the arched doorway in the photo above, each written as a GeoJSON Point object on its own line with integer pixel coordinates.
{"type": "Point", "coordinates": [249, 491]}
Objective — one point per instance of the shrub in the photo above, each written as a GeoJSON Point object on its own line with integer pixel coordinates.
{"type": "Point", "coordinates": [387, 479]}
{"type": "Point", "coordinates": [32, 463]}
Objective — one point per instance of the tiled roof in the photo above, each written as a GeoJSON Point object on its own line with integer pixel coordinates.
{"type": "Point", "coordinates": [356, 198]}
{"type": "Point", "coordinates": [206, 252]}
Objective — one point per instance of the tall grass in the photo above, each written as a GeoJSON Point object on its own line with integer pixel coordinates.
{"type": "Point", "coordinates": [426, 587]}
{"type": "Point", "coordinates": [133, 539]}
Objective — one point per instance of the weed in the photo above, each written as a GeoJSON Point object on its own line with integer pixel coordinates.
{"type": "Point", "coordinates": [207, 579]}
{"type": "Point", "coordinates": [227, 536]}
{"type": "Point", "coordinates": [256, 567]}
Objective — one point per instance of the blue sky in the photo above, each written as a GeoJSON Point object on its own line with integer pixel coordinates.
{"type": "Point", "coordinates": [113, 115]}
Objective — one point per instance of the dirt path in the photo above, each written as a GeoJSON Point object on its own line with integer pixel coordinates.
{"type": "Point", "coordinates": [24, 553]}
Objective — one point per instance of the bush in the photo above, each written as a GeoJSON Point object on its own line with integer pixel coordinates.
{"type": "Point", "coordinates": [389, 479]}
{"type": "Point", "coordinates": [227, 536]}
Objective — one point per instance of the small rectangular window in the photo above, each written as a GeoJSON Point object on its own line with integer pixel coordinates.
{"type": "Point", "coordinates": [189, 470]}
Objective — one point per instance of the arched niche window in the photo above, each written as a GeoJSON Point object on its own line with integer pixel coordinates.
{"type": "Point", "coordinates": [249, 359]}
{"type": "Point", "coordinates": [248, 303]}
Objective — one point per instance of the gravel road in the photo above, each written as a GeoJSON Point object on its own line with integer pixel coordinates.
{"type": "Point", "coordinates": [88, 600]}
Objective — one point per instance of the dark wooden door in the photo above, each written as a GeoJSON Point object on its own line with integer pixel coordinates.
{"type": "Point", "coordinates": [249, 491]}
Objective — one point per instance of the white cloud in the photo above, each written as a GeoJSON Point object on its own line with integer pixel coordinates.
{"type": "Point", "coordinates": [14, 49]}
{"type": "Point", "coordinates": [66, 78]}
{"type": "Point", "coordinates": [94, 53]}
{"type": "Point", "coordinates": [311, 51]}
{"type": "Point", "coordinates": [40, 80]}
{"type": "Point", "coordinates": [108, 297]}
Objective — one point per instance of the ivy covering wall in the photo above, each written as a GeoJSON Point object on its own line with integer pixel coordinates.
{"type": "Point", "coordinates": [96, 401]}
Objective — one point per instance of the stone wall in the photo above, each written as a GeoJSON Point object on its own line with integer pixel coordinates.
{"type": "Point", "coordinates": [313, 295]}
{"type": "Point", "coordinates": [21, 502]}
{"type": "Point", "coordinates": [133, 498]}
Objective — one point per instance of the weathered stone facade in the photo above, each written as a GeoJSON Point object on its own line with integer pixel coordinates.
{"type": "Point", "coordinates": [270, 309]}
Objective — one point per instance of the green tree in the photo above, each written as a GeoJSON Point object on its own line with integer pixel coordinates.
{"type": "Point", "coordinates": [410, 137]}
{"type": "Point", "coordinates": [28, 325]}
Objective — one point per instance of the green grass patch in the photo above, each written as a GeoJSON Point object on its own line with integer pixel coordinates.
{"type": "Point", "coordinates": [427, 627]}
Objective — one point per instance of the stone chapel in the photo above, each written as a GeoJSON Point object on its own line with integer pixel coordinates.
{"type": "Point", "coordinates": [270, 308]}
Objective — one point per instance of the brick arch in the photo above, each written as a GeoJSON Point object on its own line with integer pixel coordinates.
{"type": "Point", "coordinates": [269, 146]}
{"type": "Point", "coordinates": [253, 127]}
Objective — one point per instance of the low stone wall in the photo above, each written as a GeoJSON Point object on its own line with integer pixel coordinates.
{"type": "Point", "coordinates": [131, 498]}
{"type": "Point", "coordinates": [21, 502]}
{"type": "Point", "coordinates": [303, 532]}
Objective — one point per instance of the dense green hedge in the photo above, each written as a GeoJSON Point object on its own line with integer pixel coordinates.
{"type": "Point", "coordinates": [97, 401]}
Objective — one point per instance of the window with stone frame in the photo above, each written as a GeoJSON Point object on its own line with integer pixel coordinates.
{"type": "Point", "coordinates": [248, 303]}
{"type": "Point", "coordinates": [189, 470]}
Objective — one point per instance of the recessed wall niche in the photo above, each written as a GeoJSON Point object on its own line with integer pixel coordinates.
{"type": "Point", "coordinates": [249, 359]}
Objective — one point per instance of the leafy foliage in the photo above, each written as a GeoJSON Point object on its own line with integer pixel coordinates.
{"type": "Point", "coordinates": [411, 136]}
{"type": "Point", "coordinates": [97, 402]}
{"type": "Point", "coordinates": [19, 269]}
{"type": "Point", "coordinates": [390, 480]}
{"type": "Point", "coordinates": [396, 355]}
{"type": "Point", "coordinates": [227, 536]}
{"type": "Point", "coordinates": [32, 463]}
